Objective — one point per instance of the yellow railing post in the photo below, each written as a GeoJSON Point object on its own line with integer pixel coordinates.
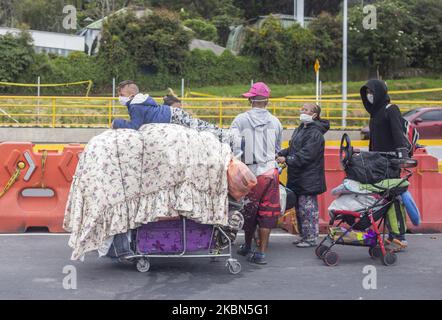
{"type": "Point", "coordinates": [220, 113]}
{"type": "Point", "coordinates": [110, 113]}
{"type": "Point", "coordinates": [53, 112]}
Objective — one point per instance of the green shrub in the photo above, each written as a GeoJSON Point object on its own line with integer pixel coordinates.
{"type": "Point", "coordinates": [284, 54]}
{"type": "Point", "coordinates": [203, 30]}
{"type": "Point", "coordinates": [16, 56]}
{"type": "Point", "coordinates": [203, 67]}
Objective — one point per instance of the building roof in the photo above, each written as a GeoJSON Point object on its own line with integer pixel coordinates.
{"type": "Point", "coordinates": [47, 39]}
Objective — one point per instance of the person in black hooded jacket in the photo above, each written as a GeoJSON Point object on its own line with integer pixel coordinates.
{"type": "Point", "coordinates": [306, 174]}
{"type": "Point", "coordinates": [386, 134]}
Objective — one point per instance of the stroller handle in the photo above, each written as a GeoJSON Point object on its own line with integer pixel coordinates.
{"type": "Point", "coordinates": [399, 157]}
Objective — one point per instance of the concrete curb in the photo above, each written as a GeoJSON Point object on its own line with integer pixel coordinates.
{"type": "Point", "coordinates": [83, 135]}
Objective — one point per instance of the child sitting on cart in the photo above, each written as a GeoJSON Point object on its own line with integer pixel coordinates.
{"type": "Point", "coordinates": [144, 109]}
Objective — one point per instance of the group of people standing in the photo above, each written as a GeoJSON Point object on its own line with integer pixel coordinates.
{"type": "Point", "coordinates": [256, 137]}
{"type": "Point", "coordinates": [304, 158]}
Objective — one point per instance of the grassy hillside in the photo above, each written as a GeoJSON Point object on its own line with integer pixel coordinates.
{"type": "Point", "coordinates": [279, 91]}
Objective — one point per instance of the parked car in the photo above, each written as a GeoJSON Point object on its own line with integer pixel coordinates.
{"type": "Point", "coordinates": [428, 122]}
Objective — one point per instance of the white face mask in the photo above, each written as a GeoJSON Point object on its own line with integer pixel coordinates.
{"type": "Point", "coordinates": [123, 100]}
{"type": "Point", "coordinates": [305, 118]}
{"type": "Point", "coordinates": [370, 98]}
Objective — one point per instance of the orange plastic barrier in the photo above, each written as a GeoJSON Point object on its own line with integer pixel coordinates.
{"type": "Point", "coordinates": [425, 187]}
{"type": "Point", "coordinates": [34, 185]}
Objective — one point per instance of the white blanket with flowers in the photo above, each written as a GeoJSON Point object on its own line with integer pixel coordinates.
{"type": "Point", "coordinates": [126, 178]}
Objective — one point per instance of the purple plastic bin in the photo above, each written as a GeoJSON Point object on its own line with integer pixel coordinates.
{"type": "Point", "coordinates": [166, 237]}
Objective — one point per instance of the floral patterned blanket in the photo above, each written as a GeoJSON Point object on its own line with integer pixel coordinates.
{"type": "Point", "coordinates": [126, 178]}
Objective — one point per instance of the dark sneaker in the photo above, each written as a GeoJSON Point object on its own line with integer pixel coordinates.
{"type": "Point", "coordinates": [257, 258]}
{"type": "Point", "coordinates": [243, 250]}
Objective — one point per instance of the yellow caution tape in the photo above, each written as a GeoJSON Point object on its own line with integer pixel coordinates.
{"type": "Point", "coordinates": [358, 94]}
{"type": "Point", "coordinates": [193, 93]}
{"type": "Point", "coordinates": [89, 82]}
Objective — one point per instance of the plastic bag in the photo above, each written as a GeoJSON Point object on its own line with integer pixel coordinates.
{"type": "Point", "coordinates": [240, 179]}
{"type": "Point", "coordinates": [361, 238]}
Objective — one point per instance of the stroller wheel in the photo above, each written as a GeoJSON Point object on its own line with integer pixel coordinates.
{"type": "Point", "coordinates": [389, 259]}
{"type": "Point", "coordinates": [319, 251]}
{"type": "Point", "coordinates": [331, 259]}
{"type": "Point", "coordinates": [375, 252]}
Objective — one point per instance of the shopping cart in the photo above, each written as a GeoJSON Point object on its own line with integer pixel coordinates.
{"type": "Point", "coordinates": [183, 238]}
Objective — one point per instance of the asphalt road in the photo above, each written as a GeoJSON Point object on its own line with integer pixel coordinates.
{"type": "Point", "coordinates": [32, 268]}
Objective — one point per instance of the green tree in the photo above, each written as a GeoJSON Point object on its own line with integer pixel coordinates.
{"type": "Point", "coordinates": [265, 44]}
{"type": "Point", "coordinates": [16, 56]}
{"type": "Point", "coordinates": [392, 45]}
{"type": "Point", "coordinates": [42, 15]}
{"type": "Point", "coordinates": [283, 54]}
{"type": "Point", "coordinates": [254, 8]}
{"type": "Point", "coordinates": [428, 23]}
{"type": "Point", "coordinates": [327, 30]}
{"type": "Point", "coordinates": [206, 9]}
{"type": "Point", "coordinates": [154, 44]}
{"type": "Point", "coordinates": [203, 29]}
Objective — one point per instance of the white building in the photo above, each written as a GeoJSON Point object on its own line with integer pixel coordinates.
{"type": "Point", "coordinates": [58, 43]}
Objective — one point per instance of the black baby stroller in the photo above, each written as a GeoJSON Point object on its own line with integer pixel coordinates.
{"type": "Point", "coordinates": [381, 176]}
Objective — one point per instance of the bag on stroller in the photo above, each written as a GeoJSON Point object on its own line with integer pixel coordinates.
{"type": "Point", "coordinates": [370, 167]}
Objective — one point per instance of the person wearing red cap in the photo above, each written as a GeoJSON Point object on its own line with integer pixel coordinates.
{"type": "Point", "coordinates": [261, 134]}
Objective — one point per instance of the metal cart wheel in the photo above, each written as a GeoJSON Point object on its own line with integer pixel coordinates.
{"type": "Point", "coordinates": [389, 259]}
{"type": "Point", "coordinates": [143, 265]}
{"type": "Point", "coordinates": [319, 251]}
{"type": "Point", "coordinates": [331, 259]}
{"type": "Point", "coordinates": [234, 266]}
{"type": "Point", "coordinates": [375, 252]}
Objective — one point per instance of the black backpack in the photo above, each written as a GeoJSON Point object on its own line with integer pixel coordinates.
{"type": "Point", "coordinates": [410, 133]}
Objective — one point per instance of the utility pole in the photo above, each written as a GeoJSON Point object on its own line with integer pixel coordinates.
{"type": "Point", "coordinates": [298, 11]}
{"type": "Point", "coordinates": [344, 63]}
